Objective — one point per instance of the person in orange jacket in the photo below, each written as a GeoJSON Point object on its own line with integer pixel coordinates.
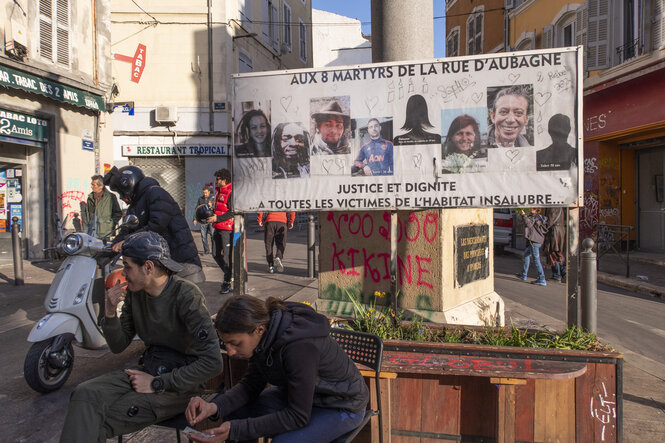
{"type": "Point", "coordinates": [275, 234]}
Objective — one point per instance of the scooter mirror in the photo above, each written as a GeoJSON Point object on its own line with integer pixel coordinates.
{"type": "Point", "coordinates": [131, 220]}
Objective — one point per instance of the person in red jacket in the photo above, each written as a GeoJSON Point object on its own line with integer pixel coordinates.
{"type": "Point", "coordinates": [222, 238]}
{"type": "Point", "coordinates": [275, 234]}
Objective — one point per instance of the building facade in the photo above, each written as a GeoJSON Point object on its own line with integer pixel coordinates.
{"type": "Point", "coordinates": [623, 117]}
{"type": "Point", "coordinates": [474, 27]}
{"type": "Point", "coordinates": [55, 134]}
{"type": "Point", "coordinates": [172, 68]}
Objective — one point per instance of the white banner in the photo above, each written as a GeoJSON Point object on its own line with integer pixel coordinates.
{"type": "Point", "coordinates": [483, 131]}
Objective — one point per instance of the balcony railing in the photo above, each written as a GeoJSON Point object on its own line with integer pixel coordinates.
{"type": "Point", "coordinates": [630, 50]}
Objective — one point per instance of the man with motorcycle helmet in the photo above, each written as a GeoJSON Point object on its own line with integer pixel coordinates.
{"type": "Point", "coordinates": [157, 211]}
{"type": "Point", "coordinates": [182, 349]}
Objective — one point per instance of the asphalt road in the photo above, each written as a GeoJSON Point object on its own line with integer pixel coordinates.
{"type": "Point", "coordinates": [632, 323]}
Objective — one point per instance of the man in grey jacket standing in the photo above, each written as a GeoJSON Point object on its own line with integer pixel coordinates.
{"type": "Point", "coordinates": [535, 229]}
{"type": "Point", "coordinates": [104, 205]}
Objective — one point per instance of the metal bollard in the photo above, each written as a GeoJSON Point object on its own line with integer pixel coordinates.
{"type": "Point", "coordinates": [18, 252]}
{"type": "Point", "coordinates": [588, 286]}
{"type": "Point", "coordinates": [311, 245]}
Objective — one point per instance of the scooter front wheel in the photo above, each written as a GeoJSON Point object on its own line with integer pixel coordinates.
{"type": "Point", "coordinates": [45, 373]}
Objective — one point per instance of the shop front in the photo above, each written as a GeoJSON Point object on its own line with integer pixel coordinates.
{"type": "Point", "coordinates": [624, 158]}
{"type": "Point", "coordinates": [182, 168]}
{"type": "Point", "coordinates": [50, 138]}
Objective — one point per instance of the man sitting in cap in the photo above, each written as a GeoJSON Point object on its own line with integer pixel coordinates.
{"type": "Point", "coordinates": [331, 125]}
{"type": "Point", "coordinates": [182, 349]}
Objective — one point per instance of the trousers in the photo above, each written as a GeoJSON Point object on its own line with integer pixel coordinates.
{"type": "Point", "coordinates": [107, 406]}
{"type": "Point", "coordinates": [324, 426]}
{"type": "Point", "coordinates": [222, 242]}
{"type": "Point", "coordinates": [275, 235]}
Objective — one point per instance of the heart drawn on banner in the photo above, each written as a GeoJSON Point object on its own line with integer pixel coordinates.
{"type": "Point", "coordinates": [417, 160]}
{"type": "Point", "coordinates": [326, 164]}
{"type": "Point", "coordinates": [285, 102]}
{"type": "Point", "coordinates": [513, 155]}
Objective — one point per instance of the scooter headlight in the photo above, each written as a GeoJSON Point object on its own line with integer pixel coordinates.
{"type": "Point", "coordinates": [72, 244]}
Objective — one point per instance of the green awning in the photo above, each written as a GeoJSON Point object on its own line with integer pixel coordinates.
{"type": "Point", "coordinates": [57, 91]}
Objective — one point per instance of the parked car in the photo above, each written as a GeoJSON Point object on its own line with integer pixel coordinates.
{"type": "Point", "coordinates": [503, 228]}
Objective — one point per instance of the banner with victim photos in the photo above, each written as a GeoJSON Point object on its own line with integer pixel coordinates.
{"type": "Point", "coordinates": [500, 130]}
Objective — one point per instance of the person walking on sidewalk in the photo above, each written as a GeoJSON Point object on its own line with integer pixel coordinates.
{"type": "Point", "coordinates": [555, 243]}
{"type": "Point", "coordinates": [182, 349]}
{"type": "Point", "coordinates": [534, 231]}
{"type": "Point", "coordinates": [206, 228]}
{"type": "Point", "coordinates": [275, 234]}
{"type": "Point", "coordinates": [222, 238]}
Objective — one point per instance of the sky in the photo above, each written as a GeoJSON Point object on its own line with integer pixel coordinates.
{"type": "Point", "coordinates": [361, 10]}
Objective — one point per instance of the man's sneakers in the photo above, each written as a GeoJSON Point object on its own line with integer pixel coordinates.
{"type": "Point", "coordinates": [521, 276]}
{"type": "Point", "coordinates": [226, 288]}
{"type": "Point", "coordinates": [539, 282]}
{"type": "Point", "coordinates": [271, 270]}
{"type": "Point", "coordinates": [278, 265]}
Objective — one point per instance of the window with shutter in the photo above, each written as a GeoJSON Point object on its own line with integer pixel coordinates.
{"type": "Point", "coordinates": [287, 25]}
{"type": "Point", "coordinates": [474, 32]}
{"type": "Point", "coordinates": [548, 37]}
{"type": "Point", "coordinates": [265, 21]}
{"type": "Point", "coordinates": [303, 40]}
{"type": "Point", "coordinates": [581, 20]}
{"type": "Point", "coordinates": [274, 26]}
{"type": "Point", "coordinates": [598, 34]}
{"type": "Point", "coordinates": [62, 32]}
{"type": "Point", "coordinates": [245, 9]}
{"type": "Point", "coordinates": [452, 42]}
{"type": "Point", "coordinates": [45, 29]}
{"type": "Point", "coordinates": [658, 25]}
{"type": "Point", "coordinates": [54, 31]}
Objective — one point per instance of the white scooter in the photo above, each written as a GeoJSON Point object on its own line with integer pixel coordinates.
{"type": "Point", "coordinates": [72, 314]}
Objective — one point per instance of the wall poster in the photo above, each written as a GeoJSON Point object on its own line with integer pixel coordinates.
{"type": "Point", "coordinates": [496, 130]}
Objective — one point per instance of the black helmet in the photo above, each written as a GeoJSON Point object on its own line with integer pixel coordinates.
{"type": "Point", "coordinates": [203, 213]}
{"type": "Point", "coordinates": [124, 180]}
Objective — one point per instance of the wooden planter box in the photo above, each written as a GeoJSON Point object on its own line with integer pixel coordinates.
{"type": "Point", "coordinates": [460, 392]}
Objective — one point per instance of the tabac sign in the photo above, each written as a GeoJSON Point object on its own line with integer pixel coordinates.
{"type": "Point", "coordinates": [138, 62]}
{"type": "Point", "coordinates": [28, 127]}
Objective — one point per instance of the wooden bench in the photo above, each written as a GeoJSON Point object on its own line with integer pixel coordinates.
{"type": "Point", "coordinates": [504, 373]}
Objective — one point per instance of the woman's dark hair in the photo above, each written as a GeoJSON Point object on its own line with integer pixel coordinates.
{"type": "Point", "coordinates": [279, 159]}
{"type": "Point", "coordinates": [244, 313]}
{"type": "Point", "coordinates": [461, 122]}
{"type": "Point", "coordinates": [243, 127]}
{"type": "Point", "coordinates": [416, 114]}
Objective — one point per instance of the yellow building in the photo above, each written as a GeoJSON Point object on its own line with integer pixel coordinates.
{"type": "Point", "coordinates": [172, 70]}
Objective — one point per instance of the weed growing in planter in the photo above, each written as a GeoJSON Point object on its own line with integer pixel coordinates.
{"type": "Point", "coordinates": [382, 320]}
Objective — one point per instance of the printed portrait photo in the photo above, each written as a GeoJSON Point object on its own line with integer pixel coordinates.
{"type": "Point", "coordinates": [252, 131]}
{"type": "Point", "coordinates": [290, 149]}
{"type": "Point", "coordinates": [464, 147]}
{"type": "Point", "coordinates": [560, 155]}
{"type": "Point", "coordinates": [417, 128]}
{"type": "Point", "coordinates": [510, 116]}
{"type": "Point", "coordinates": [374, 147]}
{"type": "Point", "coordinates": [330, 125]}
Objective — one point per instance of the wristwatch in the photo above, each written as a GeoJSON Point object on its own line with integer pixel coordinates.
{"type": "Point", "coordinates": [157, 385]}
